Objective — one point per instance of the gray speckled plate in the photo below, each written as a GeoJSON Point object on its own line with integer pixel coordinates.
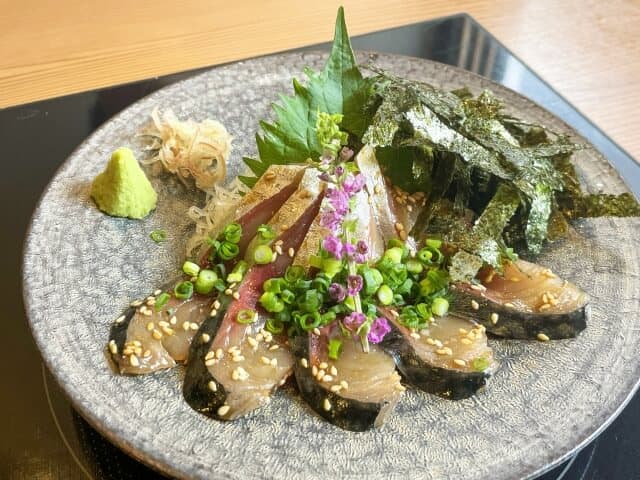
{"type": "Point", "coordinates": [82, 267]}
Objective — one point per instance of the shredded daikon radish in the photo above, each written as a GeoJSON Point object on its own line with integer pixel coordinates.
{"type": "Point", "coordinates": [189, 148]}
{"type": "Point", "coordinates": [218, 211]}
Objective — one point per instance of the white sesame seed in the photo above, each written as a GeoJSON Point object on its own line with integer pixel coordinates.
{"type": "Point", "coordinates": [209, 355]}
{"type": "Point", "coordinates": [223, 410]}
{"type": "Point", "coordinates": [335, 388]}
{"type": "Point", "coordinates": [399, 227]}
{"type": "Point", "coordinates": [113, 348]}
{"type": "Point", "coordinates": [219, 353]}
{"type": "Point", "coordinates": [291, 252]}
{"type": "Point", "coordinates": [120, 319]}
{"type": "Point", "coordinates": [463, 331]}
{"type": "Point", "coordinates": [133, 360]}
{"type": "Point", "coordinates": [205, 338]}
{"type": "Point", "coordinates": [327, 378]}
{"type": "Point", "coordinates": [274, 362]}
{"type": "Point", "coordinates": [415, 335]}
{"type": "Point", "coordinates": [509, 304]}
{"type": "Point", "coordinates": [151, 302]}
{"type": "Point", "coordinates": [146, 354]}
{"type": "Point", "coordinates": [323, 365]}
{"type": "Point", "coordinates": [494, 318]}
{"type": "Point", "coordinates": [401, 388]}
{"type": "Point", "coordinates": [544, 306]}
{"type": "Point", "coordinates": [162, 323]}
{"type": "Point", "coordinates": [252, 341]}
{"type": "Point", "coordinates": [157, 334]}
{"type": "Point", "coordinates": [542, 337]}
{"type": "Point", "coordinates": [211, 361]}
{"type": "Point", "coordinates": [304, 363]}
{"type": "Point", "coordinates": [168, 331]}
{"type": "Point", "coordinates": [136, 303]}
{"type": "Point", "coordinates": [193, 326]}
{"type": "Point", "coordinates": [344, 384]}
{"type": "Point", "coordinates": [278, 249]}
{"type": "Point", "coordinates": [466, 341]}
{"type": "Point", "coordinates": [157, 292]}
{"type": "Point", "coordinates": [237, 358]}
{"type": "Point", "coordinates": [403, 235]}
{"type": "Point", "coordinates": [474, 305]}
{"type": "Point", "coordinates": [173, 320]}
{"type": "Point", "coordinates": [213, 312]}
{"type": "Point", "coordinates": [333, 370]}
{"type": "Point", "coordinates": [150, 326]}
{"type": "Point", "coordinates": [437, 343]}
{"type": "Point", "coordinates": [316, 331]}
{"type": "Point", "coordinates": [314, 370]}
{"type": "Point", "coordinates": [459, 362]}
{"type": "Point", "coordinates": [430, 341]}
{"type": "Point", "coordinates": [228, 291]}
{"type": "Point", "coordinates": [274, 347]}
{"type": "Point", "coordinates": [185, 326]}
{"type": "Point", "coordinates": [320, 374]}
{"type": "Point", "coordinates": [212, 386]}
{"type": "Point", "coordinates": [326, 404]}
{"type": "Point", "coordinates": [265, 360]}
{"type": "Point", "coordinates": [216, 304]}
{"type": "Point", "coordinates": [236, 295]}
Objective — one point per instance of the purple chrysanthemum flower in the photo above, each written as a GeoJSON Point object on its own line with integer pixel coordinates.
{"type": "Point", "coordinates": [325, 177]}
{"type": "Point", "coordinates": [339, 170]}
{"type": "Point", "coordinates": [354, 320]}
{"type": "Point", "coordinates": [331, 220]}
{"type": "Point", "coordinates": [353, 184]}
{"type": "Point", "coordinates": [339, 200]}
{"type": "Point", "coordinates": [349, 250]}
{"type": "Point", "coordinates": [333, 245]}
{"type": "Point", "coordinates": [354, 284]}
{"type": "Point", "coordinates": [346, 153]}
{"type": "Point", "coordinates": [337, 292]}
{"type": "Point", "coordinates": [379, 328]}
{"type": "Point", "coordinates": [362, 247]}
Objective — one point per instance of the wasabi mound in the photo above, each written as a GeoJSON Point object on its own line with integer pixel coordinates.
{"type": "Point", "coordinates": [123, 189]}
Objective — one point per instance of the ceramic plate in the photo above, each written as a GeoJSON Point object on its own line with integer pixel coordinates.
{"type": "Point", "coordinates": [81, 268]}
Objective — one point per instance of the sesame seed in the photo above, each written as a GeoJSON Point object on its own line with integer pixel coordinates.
{"type": "Point", "coordinates": [320, 374]}
{"type": "Point", "coordinates": [314, 370]}
{"type": "Point", "coordinates": [213, 312]}
{"type": "Point", "coordinates": [236, 295]}
{"type": "Point", "coordinates": [162, 323]}
{"type": "Point", "coordinates": [133, 360]}
{"type": "Point", "coordinates": [274, 256]}
{"type": "Point", "coordinates": [333, 370]}
{"type": "Point", "coordinates": [168, 331]}
{"type": "Point", "coordinates": [335, 388]}
{"type": "Point", "coordinates": [542, 337]}
{"type": "Point", "coordinates": [136, 303]}
{"type": "Point", "coordinates": [291, 252]}
{"type": "Point", "coordinates": [430, 341]}
{"type": "Point", "coordinates": [509, 305]}
{"type": "Point", "coordinates": [146, 312]}
{"type": "Point", "coordinates": [304, 363]}
{"type": "Point", "coordinates": [219, 353]}
{"type": "Point", "coordinates": [274, 362]}
{"type": "Point", "coordinates": [278, 242]}
{"type": "Point", "coordinates": [138, 351]}
{"type": "Point", "coordinates": [265, 360]}
{"type": "Point", "coordinates": [211, 361]}
{"type": "Point", "coordinates": [323, 365]}
{"type": "Point", "coordinates": [494, 318]}
{"type": "Point", "coordinates": [259, 337]}
{"type": "Point", "coordinates": [403, 235]}
{"type": "Point", "coordinates": [228, 291]}
{"type": "Point", "coordinates": [147, 353]}
{"type": "Point", "coordinates": [438, 343]}
{"type": "Point", "coordinates": [173, 320]}
{"type": "Point", "coordinates": [151, 302]}
{"type": "Point", "coordinates": [157, 334]}
{"type": "Point", "coordinates": [216, 304]}
{"type": "Point", "coordinates": [212, 386]}
{"type": "Point", "coordinates": [113, 348]}
{"type": "Point", "coordinates": [150, 326]}
{"type": "Point", "coordinates": [399, 227]}
{"type": "Point", "coordinates": [415, 335]}
{"type": "Point", "coordinates": [400, 388]}
{"type": "Point", "coordinates": [185, 326]}
{"type": "Point", "coordinates": [278, 249]}
{"type": "Point", "coordinates": [252, 341]}
{"type": "Point", "coordinates": [474, 305]}
{"type": "Point", "coordinates": [444, 351]}
{"type": "Point", "coordinates": [205, 338]}
{"type": "Point", "coordinates": [327, 378]}
{"type": "Point", "coordinates": [344, 384]}
{"type": "Point", "coordinates": [270, 175]}
{"type": "Point", "coordinates": [545, 298]}
{"type": "Point", "coordinates": [223, 410]}
{"type": "Point", "coordinates": [463, 331]}
{"type": "Point", "coordinates": [120, 319]}
{"type": "Point", "coordinates": [274, 347]}
{"type": "Point", "coordinates": [316, 331]}
{"type": "Point", "coordinates": [514, 279]}
{"type": "Point", "coordinates": [544, 306]}
{"type": "Point", "coordinates": [157, 292]}
{"type": "Point", "coordinates": [209, 356]}
{"type": "Point", "coordinates": [466, 341]}
{"type": "Point", "coordinates": [459, 362]}
{"type": "Point", "coordinates": [237, 358]}
{"type": "Point", "coordinates": [326, 404]}
{"type": "Point", "coordinates": [193, 326]}
{"type": "Point", "coordinates": [475, 286]}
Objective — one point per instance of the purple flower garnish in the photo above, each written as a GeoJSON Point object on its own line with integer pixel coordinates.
{"type": "Point", "coordinates": [339, 200]}
{"type": "Point", "coordinates": [346, 153]}
{"type": "Point", "coordinates": [326, 159]}
{"type": "Point", "coordinates": [325, 177]}
{"type": "Point", "coordinates": [354, 320]}
{"type": "Point", "coordinates": [333, 245]}
{"type": "Point", "coordinates": [353, 184]}
{"type": "Point", "coordinates": [349, 250]}
{"type": "Point", "coordinates": [331, 220]}
{"type": "Point", "coordinates": [362, 247]}
{"type": "Point", "coordinates": [337, 292]}
{"type": "Point", "coordinates": [339, 170]}
{"type": "Point", "coordinates": [379, 328]}
{"type": "Point", "coordinates": [354, 284]}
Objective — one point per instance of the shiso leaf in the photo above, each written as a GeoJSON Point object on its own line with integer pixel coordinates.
{"type": "Point", "coordinates": [339, 88]}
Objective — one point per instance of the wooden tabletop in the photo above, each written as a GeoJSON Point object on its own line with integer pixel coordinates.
{"type": "Point", "coordinates": [588, 50]}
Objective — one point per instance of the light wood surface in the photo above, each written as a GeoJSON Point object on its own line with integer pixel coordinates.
{"type": "Point", "coordinates": [588, 50]}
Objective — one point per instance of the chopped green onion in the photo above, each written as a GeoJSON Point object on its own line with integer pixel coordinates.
{"type": "Point", "coordinates": [274, 326]}
{"type": "Point", "coordinates": [423, 311]}
{"type": "Point", "coordinates": [321, 283]}
{"type": "Point", "coordinates": [262, 254]}
{"type": "Point", "coordinates": [315, 261]}
{"type": "Point", "coordinates": [480, 364]}
{"type": "Point", "coordinates": [350, 303]}
{"type": "Point", "coordinates": [265, 233]}
{"type": "Point", "coordinates": [246, 316]}
{"type": "Point", "coordinates": [183, 290]}
{"type": "Point", "coordinates": [433, 243]}
{"type": "Point", "coordinates": [206, 281]}
{"type": "Point", "coordinates": [293, 274]}
{"type": "Point", "coordinates": [440, 306]}
{"type": "Point", "coordinates": [158, 236]}
{"type": "Point", "coordinates": [228, 250]}
{"type": "Point", "coordinates": [385, 295]}
{"type": "Point", "coordinates": [271, 303]}
{"type": "Point", "coordinates": [309, 321]}
{"type": "Point", "coordinates": [312, 300]}
{"type": "Point", "coordinates": [414, 266]}
{"type": "Point", "coordinates": [425, 255]}
{"type": "Point", "coordinates": [331, 266]}
{"type": "Point", "coordinates": [394, 254]}
{"type": "Point", "coordinates": [161, 300]}
{"type": "Point", "coordinates": [190, 268]}
{"type": "Point", "coordinates": [405, 287]}
{"type": "Point", "coordinates": [232, 232]}
{"type": "Point", "coordinates": [328, 317]}
{"type": "Point", "coordinates": [372, 279]}
{"type": "Point", "coordinates": [288, 296]}
{"type": "Point", "coordinates": [273, 285]}
{"type": "Point", "coordinates": [238, 272]}
{"type": "Point", "coordinates": [334, 348]}
{"type": "Point", "coordinates": [395, 242]}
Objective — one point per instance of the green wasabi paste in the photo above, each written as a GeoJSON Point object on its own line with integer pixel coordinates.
{"type": "Point", "coordinates": [123, 189]}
